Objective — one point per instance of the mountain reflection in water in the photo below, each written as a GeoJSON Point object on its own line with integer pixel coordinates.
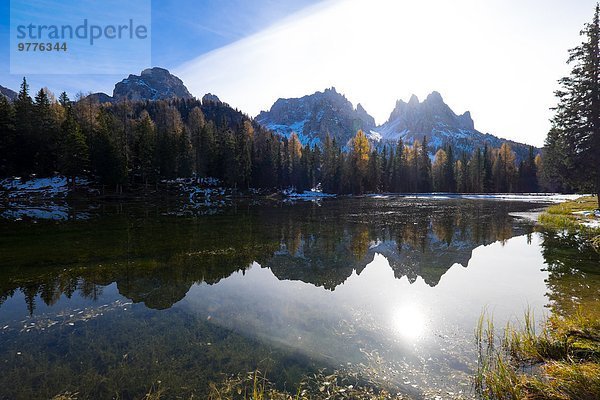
{"type": "Point", "coordinates": [156, 259]}
{"type": "Point", "coordinates": [389, 289]}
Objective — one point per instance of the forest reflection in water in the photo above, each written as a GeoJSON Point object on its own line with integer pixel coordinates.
{"type": "Point", "coordinates": [321, 245]}
{"type": "Point", "coordinates": [377, 286]}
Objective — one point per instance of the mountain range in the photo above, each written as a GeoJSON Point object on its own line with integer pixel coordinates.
{"type": "Point", "coordinates": [313, 117]}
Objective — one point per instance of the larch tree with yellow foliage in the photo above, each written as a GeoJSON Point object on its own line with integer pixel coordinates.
{"type": "Point", "coordinates": [361, 149]}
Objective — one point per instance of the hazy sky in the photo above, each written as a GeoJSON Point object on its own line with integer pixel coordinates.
{"type": "Point", "coordinates": [500, 59]}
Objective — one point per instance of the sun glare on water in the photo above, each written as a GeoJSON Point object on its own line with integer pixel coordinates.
{"type": "Point", "coordinates": [408, 321]}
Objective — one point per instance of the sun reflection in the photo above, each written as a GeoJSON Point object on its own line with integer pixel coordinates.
{"type": "Point", "coordinates": [408, 321]}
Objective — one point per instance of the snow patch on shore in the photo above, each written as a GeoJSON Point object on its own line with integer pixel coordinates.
{"type": "Point", "coordinates": [523, 197]}
{"type": "Point", "coordinates": [38, 198]}
{"type": "Point", "coordinates": [53, 187]}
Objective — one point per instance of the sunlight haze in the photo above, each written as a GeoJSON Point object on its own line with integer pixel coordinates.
{"type": "Point", "coordinates": [481, 56]}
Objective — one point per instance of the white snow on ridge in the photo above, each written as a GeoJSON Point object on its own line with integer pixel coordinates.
{"type": "Point", "coordinates": [374, 136]}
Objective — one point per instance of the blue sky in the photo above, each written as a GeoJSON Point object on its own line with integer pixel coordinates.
{"type": "Point", "coordinates": [499, 59]}
{"type": "Point", "coordinates": [181, 30]}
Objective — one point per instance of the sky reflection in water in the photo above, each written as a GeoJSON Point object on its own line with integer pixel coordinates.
{"type": "Point", "coordinates": [390, 289]}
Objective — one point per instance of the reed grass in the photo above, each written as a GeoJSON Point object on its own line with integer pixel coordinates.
{"type": "Point", "coordinates": [560, 362]}
{"type": "Point", "coordinates": [319, 386]}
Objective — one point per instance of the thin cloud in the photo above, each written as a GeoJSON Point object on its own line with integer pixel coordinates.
{"type": "Point", "coordinates": [482, 57]}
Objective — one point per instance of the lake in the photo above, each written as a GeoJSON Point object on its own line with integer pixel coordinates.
{"type": "Point", "coordinates": [389, 289]}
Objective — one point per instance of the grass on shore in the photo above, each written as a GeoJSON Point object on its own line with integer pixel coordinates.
{"type": "Point", "coordinates": [564, 216]}
{"type": "Point", "coordinates": [561, 362]}
{"type": "Point", "coordinates": [561, 216]}
{"type": "Point", "coordinates": [255, 386]}
{"type": "Point", "coordinates": [319, 386]}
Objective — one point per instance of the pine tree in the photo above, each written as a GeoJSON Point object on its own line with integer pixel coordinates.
{"type": "Point", "coordinates": [476, 172]}
{"type": "Point", "coordinates": [106, 156]}
{"type": "Point", "coordinates": [145, 148]}
{"type": "Point", "coordinates": [23, 129]}
{"type": "Point", "coordinates": [399, 176]}
{"type": "Point", "coordinates": [293, 157]}
{"type": "Point", "coordinates": [572, 148]}
{"type": "Point", "coordinates": [7, 137]}
{"type": "Point", "coordinates": [73, 156]}
{"type": "Point", "coordinates": [449, 170]}
{"type": "Point", "coordinates": [195, 127]}
{"type": "Point", "coordinates": [207, 150]}
{"type": "Point", "coordinates": [424, 167]}
{"type": "Point", "coordinates": [44, 135]}
{"type": "Point", "coordinates": [460, 176]}
{"type": "Point", "coordinates": [504, 169]}
{"type": "Point", "coordinates": [329, 169]}
{"type": "Point", "coordinates": [245, 140]}
{"type": "Point", "coordinates": [487, 181]}
{"type": "Point", "coordinates": [438, 171]}
{"type": "Point", "coordinates": [375, 172]}
{"type": "Point", "coordinates": [387, 165]}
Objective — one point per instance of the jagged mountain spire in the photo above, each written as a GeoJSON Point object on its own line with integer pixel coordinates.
{"type": "Point", "coordinates": [313, 116]}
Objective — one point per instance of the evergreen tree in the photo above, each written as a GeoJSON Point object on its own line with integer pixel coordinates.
{"type": "Point", "coordinates": [424, 167]}
{"type": "Point", "coordinates": [475, 172]}
{"type": "Point", "coordinates": [293, 157]}
{"type": "Point", "coordinates": [7, 137]}
{"type": "Point", "coordinates": [195, 127]}
{"type": "Point", "coordinates": [438, 171]}
{"type": "Point", "coordinates": [399, 176]}
{"type": "Point", "coordinates": [245, 140]}
{"type": "Point", "coordinates": [375, 173]}
{"type": "Point", "coordinates": [73, 157]}
{"type": "Point", "coordinates": [330, 165]}
{"type": "Point", "coordinates": [528, 181]}
{"type": "Point", "coordinates": [487, 181]}
{"type": "Point", "coordinates": [106, 156]}
{"type": "Point", "coordinates": [24, 129]}
{"type": "Point", "coordinates": [387, 166]}
{"type": "Point", "coordinates": [460, 176]}
{"type": "Point", "coordinates": [44, 135]}
{"type": "Point", "coordinates": [504, 169]}
{"type": "Point", "coordinates": [572, 148]}
{"type": "Point", "coordinates": [449, 170]}
{"type": "Point", "coordinates": [145, 163]}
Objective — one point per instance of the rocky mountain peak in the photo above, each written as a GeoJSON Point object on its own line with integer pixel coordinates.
{"type": "Point", "coordinates": [314, 116]}
{"type": "Point", "coordinates": [424, 117]}
{"type": "Point", "coordinates": [152, 84]}
{"type": "Point", "coordinates": [364, 115]}
{"type": "Point", "coordinates": [434, 97]}
{"type": "Point", "coordinates": [11, 95]}
{"type": "Point", "coordinates": [155, 71]}
{"type": "Point", "coordinates": [466, 120]}
{"type": "Point", "coordinates": [210, 98]}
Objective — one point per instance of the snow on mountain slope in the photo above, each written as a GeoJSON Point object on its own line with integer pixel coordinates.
{"type": "Point", "coordinates": [312, 117]}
